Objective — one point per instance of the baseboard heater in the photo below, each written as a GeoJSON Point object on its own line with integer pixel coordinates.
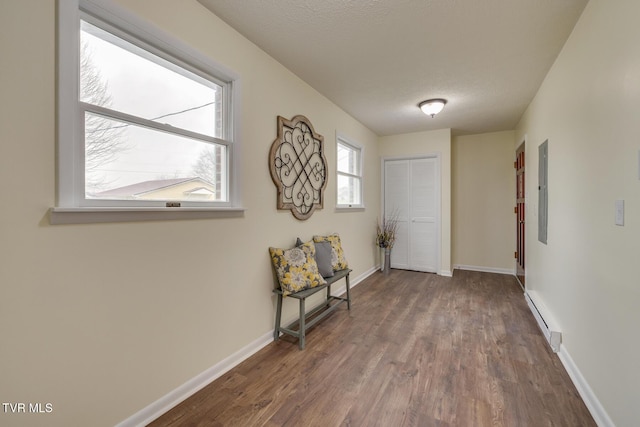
{"type": "Point", "coordinates": [550, 332]}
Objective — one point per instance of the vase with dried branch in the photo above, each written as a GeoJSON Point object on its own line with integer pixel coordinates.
{"type": "Point", "coordinates": [386, 237]}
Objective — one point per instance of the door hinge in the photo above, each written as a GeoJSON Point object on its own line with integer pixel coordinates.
{"type": "Point", "coordinates": [515, 165]}
{"type": "Point", "coordinates": [515, 254]}
{"type": "Point", "coordinates": [515, 210]}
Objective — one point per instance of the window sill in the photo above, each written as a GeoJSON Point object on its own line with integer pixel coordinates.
{"type": "Point", "coordinates": [347, 208]}
{"type": "Point", "coordinates": [127, 214]}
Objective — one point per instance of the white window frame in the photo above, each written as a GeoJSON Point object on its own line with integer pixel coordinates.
{"type": "Point", "coordinates": [71, 204]}
{"type": "Point", "coordinates": [342, 139]}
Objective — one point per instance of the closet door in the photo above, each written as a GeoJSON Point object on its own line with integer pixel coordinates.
{"type": "Point", "coordinates": [396, 203]}
{"type": "Point", "coordinates": [411, 192]}
{"type": "Point", "coordinates": [422, 215]}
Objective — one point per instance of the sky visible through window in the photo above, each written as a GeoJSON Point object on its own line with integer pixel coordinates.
{"type": "Point", "coordinates": [348, 186]}
{"type": "Point", "coordinates": [122, 77]}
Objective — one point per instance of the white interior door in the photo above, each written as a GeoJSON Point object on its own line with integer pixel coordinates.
{"type": "Point", "coordinates": [411, 191]}
{"type": "Point", "coordinates": [396, 204]}
{"type": "Point", "coordinates": [422, 215]}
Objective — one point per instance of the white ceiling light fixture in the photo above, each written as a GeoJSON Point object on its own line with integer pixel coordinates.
{"type": "Point", "coordinates": [431, 107]}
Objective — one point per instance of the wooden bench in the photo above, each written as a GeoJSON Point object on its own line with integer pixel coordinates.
{"type": "Point", "coordinates": [301, 296]}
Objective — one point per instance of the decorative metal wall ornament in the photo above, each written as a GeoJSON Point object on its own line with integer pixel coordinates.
{"type": "Point", "coordinates": [298, 166]}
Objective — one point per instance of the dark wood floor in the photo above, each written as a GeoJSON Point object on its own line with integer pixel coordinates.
{"type": "Point", "coordinates": [416, 349]}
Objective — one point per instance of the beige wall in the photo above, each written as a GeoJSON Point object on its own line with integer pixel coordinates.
{"type": "Point", "coordinates": [103, 319]}
{"type": "Point", "coordinates": [421, 143]}
{"type": "Point", "coordinates": [587, 275]}
{"type": "Point", "coordinates": [483, 198]}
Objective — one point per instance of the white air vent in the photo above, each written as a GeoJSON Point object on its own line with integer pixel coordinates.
{"type": "Point", "coordinates": [547, 326]}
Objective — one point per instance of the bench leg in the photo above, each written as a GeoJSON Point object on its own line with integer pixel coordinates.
{"type": "Point", "coordinates": [301, 330]}
{"type": "Point", "coordinates": [276, 331]}
{"type": "Point", "coordinates": [328, 295]}
{"type": "Point", "coordinates": [348, 293]}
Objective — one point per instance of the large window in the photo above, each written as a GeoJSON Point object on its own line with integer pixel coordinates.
{"type": "Point", "coordinates": [142, 123]}
{"type": "Point", "coordinates": [349, 174]}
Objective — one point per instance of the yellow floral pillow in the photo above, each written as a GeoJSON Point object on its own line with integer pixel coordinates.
{"type": "Point", "coordinates": [296, 268]}
{"type": "Point", "coordinates": [338, 260]}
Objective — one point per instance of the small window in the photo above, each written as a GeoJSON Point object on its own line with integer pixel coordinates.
{"type": "Point", "coordinates": [142, 125]}
{"type": "Point", "coordinates": [349, 174]}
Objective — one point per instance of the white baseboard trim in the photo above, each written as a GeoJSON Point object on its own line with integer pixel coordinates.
{"type": "Point", "coordinates": [168, 401]}
{"type": "Point", "coordinates": [171, 399]}
{"type": "Point", "coordinates": [596, 409]}
{"type": "Point", "coordinates": [446, 273]}
{"type": "Point", "coordinates": [508, 271]}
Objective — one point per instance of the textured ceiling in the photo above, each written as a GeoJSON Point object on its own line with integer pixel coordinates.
{"type": "Point", "coordinates": [377, 59]}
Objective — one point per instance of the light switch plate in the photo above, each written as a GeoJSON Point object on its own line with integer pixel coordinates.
{"type": "Point", "coordinates": [619, 212]}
